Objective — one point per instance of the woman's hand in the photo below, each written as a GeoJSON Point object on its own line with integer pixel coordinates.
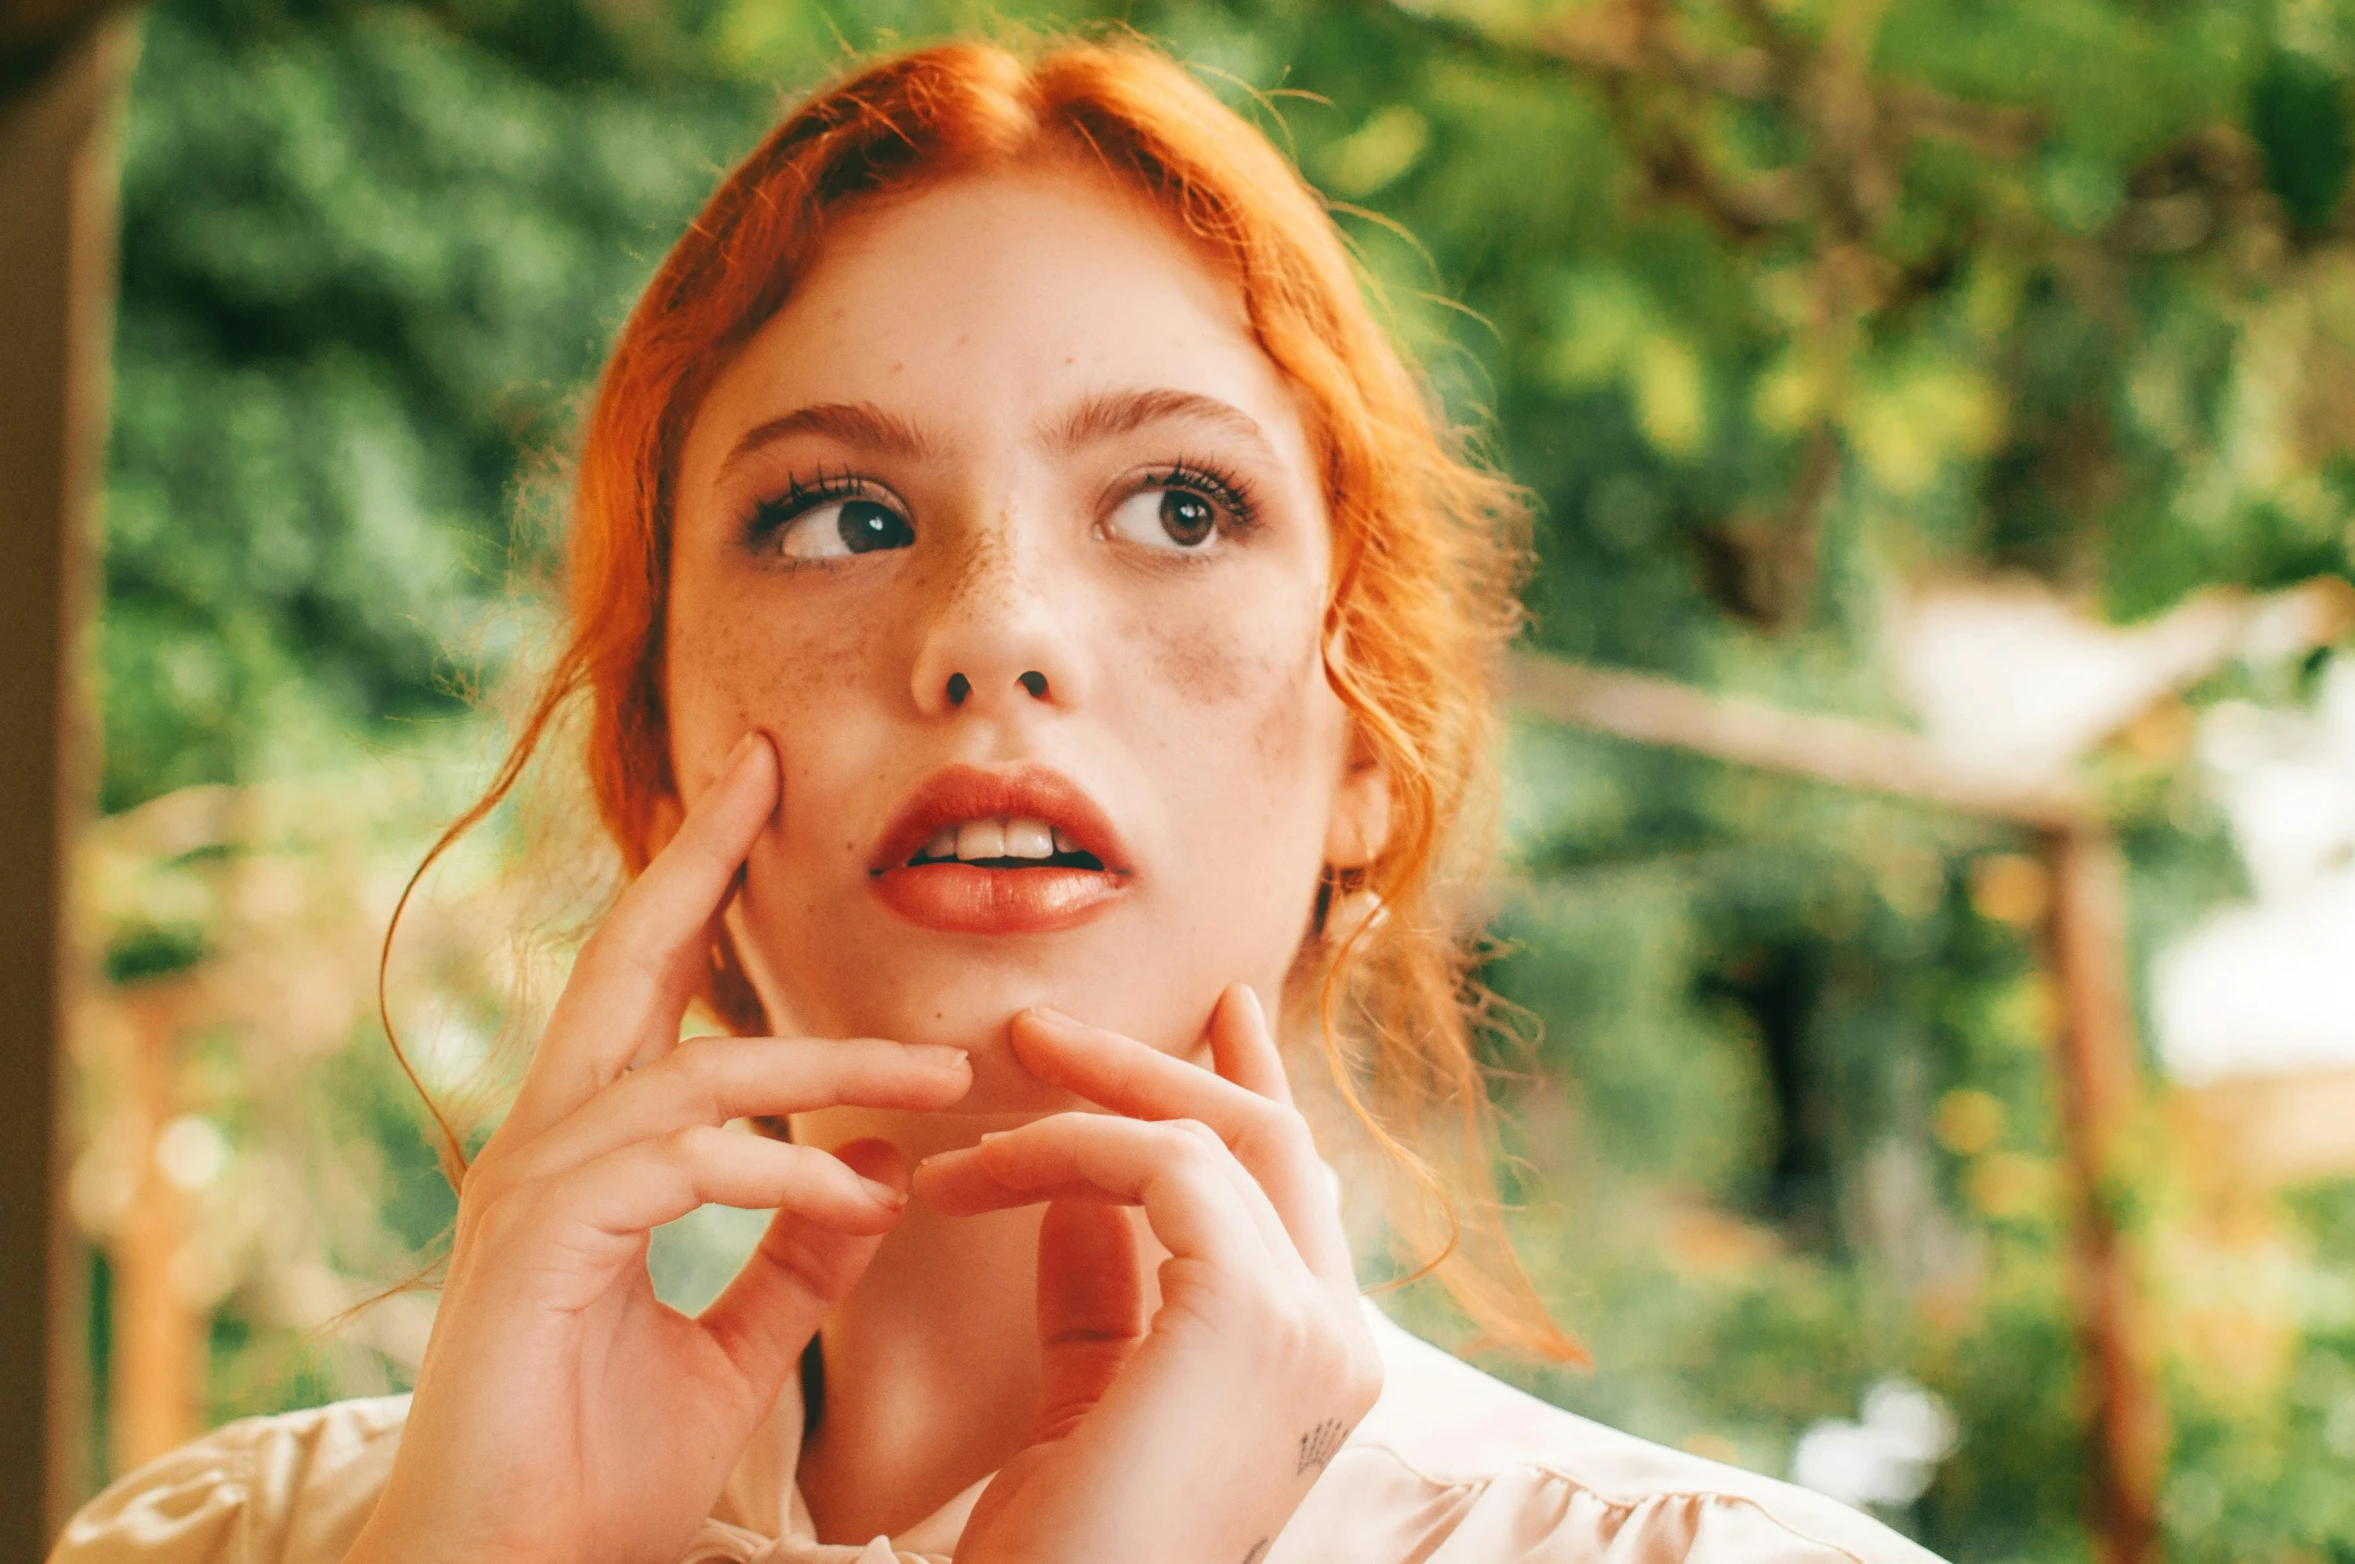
{"type": "Point", "coordinates": [1191, 1437]}
{"type": "Point", "coordinates": [562, 1412]}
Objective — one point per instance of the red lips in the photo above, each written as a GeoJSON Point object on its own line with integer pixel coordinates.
{"type": "Point", "coordinates": [963, 898]}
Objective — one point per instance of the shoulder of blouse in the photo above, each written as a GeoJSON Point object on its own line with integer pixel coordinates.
{"type": "Point", "coordinates": [1453, 1467]}
{"type": "Point", "coordinates": [291, 1489]}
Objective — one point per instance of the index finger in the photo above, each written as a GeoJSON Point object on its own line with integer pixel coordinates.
{"type": "Point", "coordinates": [1265, 1134]}
{"type": "Point", "coordinates": [1243, 1046]}
{"type": "Point", "coordinates": [633, 978]}
{"type": "Point", "coordinates": [1120, 1073]}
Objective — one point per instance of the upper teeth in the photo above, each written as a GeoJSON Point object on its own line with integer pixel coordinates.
{"type": "Point", "coordinates": [977, 840]}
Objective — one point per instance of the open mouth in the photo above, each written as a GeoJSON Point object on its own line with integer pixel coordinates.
{"type": "Point", "coordinates": [993, 843]}
{"type": "Point", "coordinates": [987, 850]}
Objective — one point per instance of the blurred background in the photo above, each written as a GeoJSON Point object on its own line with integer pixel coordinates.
{"type": "Point", "coordinates": [1930, 886]}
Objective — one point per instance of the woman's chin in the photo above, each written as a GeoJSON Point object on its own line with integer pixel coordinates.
{"type": "Point", "coordinates": [982, 1025]}
{"type": "Point", "coordinates": [1004, 1091]}
{"type": "Point", "coordinates": [971, 1005]}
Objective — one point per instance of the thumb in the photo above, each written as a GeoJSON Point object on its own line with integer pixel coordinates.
{"type": "Point", "coordinates": [1091, 1307]}
{"type": "Point", "coordinates": [802, 1268]}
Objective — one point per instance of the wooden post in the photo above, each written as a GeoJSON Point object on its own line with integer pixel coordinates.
{"type": "Point", "coordinates": [154, 1389]}
{"type": "Point", "coordinates": [57, 238]}
{"type": "Point", "coordinates": [2096, 1059]}
{"type": "Point", "coordinates": [2097, 1068]}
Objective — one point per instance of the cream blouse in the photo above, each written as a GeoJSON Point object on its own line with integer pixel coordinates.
{"type": "Point", "coordinates": [1451, 1467]}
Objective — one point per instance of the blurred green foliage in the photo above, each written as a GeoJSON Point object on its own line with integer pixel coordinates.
{"type": "Point", "coordinates": [1773, 306]}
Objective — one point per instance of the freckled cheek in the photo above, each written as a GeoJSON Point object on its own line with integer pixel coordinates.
{"type": "Point", "coordinates": [810, 677]}
{"type": "Point", "coordinates": [1246, 686]}
{"type": "Point", "coordinates": [1295, 723]}
{"type": "Point", "coordinates": [1243, 646]}
{"type": "Point", "coordinates": [745, 664]}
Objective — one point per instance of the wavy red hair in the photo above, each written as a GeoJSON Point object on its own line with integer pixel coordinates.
{"type": "Point", "coordinates": [1428, 551]}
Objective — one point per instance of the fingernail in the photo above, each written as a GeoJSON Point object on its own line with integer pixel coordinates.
{"type": "Point", "coordinates": [1052, 1016]}
{"type": "Point", "coordinates": [990, 1136]}
{"type": "Point", "coordinates": [942, 1054]}
{"type": "Point", "coordinates": [1258, 1010]}
{"type": "Point", "coordinates": [742, 749]}
{"type": "Point", "coordinates": [883, 1194]}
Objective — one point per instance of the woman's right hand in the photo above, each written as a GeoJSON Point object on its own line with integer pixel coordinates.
{"type": "Point", "coordinates": [562, 1412]}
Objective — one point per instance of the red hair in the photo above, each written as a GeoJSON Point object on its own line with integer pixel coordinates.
{"type": "Point", "coordinates": [1428, 550]}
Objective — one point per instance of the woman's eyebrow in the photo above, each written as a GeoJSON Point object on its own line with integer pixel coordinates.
{"type": "Point", "coordinates": [1110, 414]}
{"type": "Point", "coordinates": [859, 424]}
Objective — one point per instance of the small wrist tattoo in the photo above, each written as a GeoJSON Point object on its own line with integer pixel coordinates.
{"type": "Point", "coordinates": [1317, 1446]}
{"type": "Point", "coordinates": [1258, 1551]}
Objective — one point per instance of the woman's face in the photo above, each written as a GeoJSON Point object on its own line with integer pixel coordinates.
{"type": "Point", "coordinates": [1013, 541]}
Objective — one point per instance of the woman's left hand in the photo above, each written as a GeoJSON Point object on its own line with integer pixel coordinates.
{"type": "Point", "coordinates": [1192, 1436]}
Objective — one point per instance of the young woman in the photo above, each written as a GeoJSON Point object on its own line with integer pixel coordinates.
{"type": "Point", "coordinates": [1035, 645]}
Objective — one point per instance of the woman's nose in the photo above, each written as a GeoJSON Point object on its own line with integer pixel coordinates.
{"type": "Point", "coordinates": [995, 645]}
{"type": "Point", "coordinates": [1033, 683]}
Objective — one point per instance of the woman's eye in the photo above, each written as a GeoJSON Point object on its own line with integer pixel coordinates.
{"type": "Point", "coordinates": [1175, 519]}
{"type": "Point", "coordinates": [838, 527]}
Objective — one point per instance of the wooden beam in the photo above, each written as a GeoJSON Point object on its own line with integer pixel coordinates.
{"type": "Point", "coordinates": [1846, 753]}
{"type": "Point", "coordinates": [57, 254]}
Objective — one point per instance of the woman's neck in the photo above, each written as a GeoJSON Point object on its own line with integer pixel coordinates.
{"type": "Point", "coordinates": [932, 1362]}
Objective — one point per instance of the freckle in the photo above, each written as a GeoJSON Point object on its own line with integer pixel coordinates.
{"type": "Point", "coordinates": [1277, 734]}
{"type": "Point", "coordinates": [1203, 668]}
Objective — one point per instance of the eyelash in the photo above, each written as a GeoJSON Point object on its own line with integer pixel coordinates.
{"type": "Point", "coordinates": [1228, 488]}
{"type": "Point", "coordinates": [773, 514]}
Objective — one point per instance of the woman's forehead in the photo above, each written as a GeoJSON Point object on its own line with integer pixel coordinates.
{"type": "Point", "coordinates": [994, 307]}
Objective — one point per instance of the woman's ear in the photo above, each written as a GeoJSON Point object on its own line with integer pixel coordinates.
{"type": "Point", "coordinates": [1359, 827]}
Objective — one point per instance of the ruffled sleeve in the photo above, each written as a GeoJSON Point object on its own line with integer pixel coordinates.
{"type": "Point", "coordinates": [1528, 1515]}
{"type": "Point", "coordinates": [297, 1489]}
{"type": "Point", "coordinates": [1453, 1467]}
{"type": "Point", "coordinates": [269, 1490]}
{"type": "Point", "coordinates": [720, 1543]}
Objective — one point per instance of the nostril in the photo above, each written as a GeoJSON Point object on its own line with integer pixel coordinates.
{"type": "Point", "coordinates": [959, 688]}
{"type": "Point", "coordinates": [1035, 682]}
